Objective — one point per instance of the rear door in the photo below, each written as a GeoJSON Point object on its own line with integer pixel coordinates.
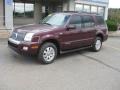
{"type": "Point", "coordinates": [88, 30]}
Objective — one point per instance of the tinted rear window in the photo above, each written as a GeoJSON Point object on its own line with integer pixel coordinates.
{"type": "Point", "coordinates": [100, 20]}
{"type": "Point", "coordinates": [88, 21]}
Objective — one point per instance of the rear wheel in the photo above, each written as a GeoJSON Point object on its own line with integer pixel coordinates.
{"type": "Point", "coordinates": [47, 53]}
{"type": "Point", "coordinates": [97, 44]}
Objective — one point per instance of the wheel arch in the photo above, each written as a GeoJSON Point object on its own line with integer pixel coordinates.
{"type": "Point", "coordinates": [100, 35]}
{"type": "Point", "coordinates": [51, 40]}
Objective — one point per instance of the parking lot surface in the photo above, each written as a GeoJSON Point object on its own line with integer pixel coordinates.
{"type": "Point", "coordinates": [82, 70]}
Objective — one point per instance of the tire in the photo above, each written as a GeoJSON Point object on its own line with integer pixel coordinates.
{"type": "Point", "coordinates": [97, 44]}
{"type": "Point", "coordinates": [47, 53]}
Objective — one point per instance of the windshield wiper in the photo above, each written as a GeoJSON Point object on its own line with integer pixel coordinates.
{"type": "Point", "coordinates": [47, 23]}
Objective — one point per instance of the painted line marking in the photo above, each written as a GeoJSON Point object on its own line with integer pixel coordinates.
{"type": "Point", "coordinates": [101, 62]}
{"type": "Point", "coordinates": [118, 49]}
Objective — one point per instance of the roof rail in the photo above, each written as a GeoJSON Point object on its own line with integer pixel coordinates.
{"type": "Point", "coordinates": [81, 12]}
{"type": "Point", "coordinates": [70, 11]}
{"type": "Point", "coordinates": [87, 12]}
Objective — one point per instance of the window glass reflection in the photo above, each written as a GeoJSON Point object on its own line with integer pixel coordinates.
{"type": "Point", "coordinates": [79, 7]}
{"type": "Point", "coordinates": [93, 9]}
{"type": "Point", "coordinates": [87, 8]}
{"type": "Point", "coordinates": [101, 11]}
{"type": "Point", "coordinates": [29, 8]}
{"type": "Point", "coordinates": [90, 9]}
{"type": "Point", "coordinates": [21, 9]}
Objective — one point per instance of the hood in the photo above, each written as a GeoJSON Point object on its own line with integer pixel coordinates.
{"type": "Point", "coordinates": [35, 28]}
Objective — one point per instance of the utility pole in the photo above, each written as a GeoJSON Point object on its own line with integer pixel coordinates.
{"type": "Point", "coordinates": [46, 7]}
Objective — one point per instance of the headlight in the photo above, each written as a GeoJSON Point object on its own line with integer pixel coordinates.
{"type": "Point", "coordinates": [28, 36]}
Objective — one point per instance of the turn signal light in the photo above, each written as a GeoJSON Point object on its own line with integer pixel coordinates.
{"type": "Point", "coordinates": [35, 47]}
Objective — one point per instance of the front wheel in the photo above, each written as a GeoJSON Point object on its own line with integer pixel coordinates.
{"type": "Point", "coordinates": [47, 53]}
{"type": "Point", "coordinates": [97, 44]}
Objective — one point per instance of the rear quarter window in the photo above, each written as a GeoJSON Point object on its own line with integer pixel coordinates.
{"type": "Point", "coordinates": [100, 20]}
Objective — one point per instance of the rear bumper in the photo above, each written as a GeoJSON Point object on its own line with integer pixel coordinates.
{"type": "Point", "coordinates": [27, 48]}
{"type": "Point", "coordinates": [105, 38]}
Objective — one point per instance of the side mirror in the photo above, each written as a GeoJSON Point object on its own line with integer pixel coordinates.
{"type": "Point", "coordinates": [71, 27]}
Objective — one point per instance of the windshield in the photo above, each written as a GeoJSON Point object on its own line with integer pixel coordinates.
{"type": "Point", "coordinates": [56, 19]}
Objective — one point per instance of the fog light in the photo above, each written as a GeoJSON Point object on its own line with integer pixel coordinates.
{"type": "Point", "coordinates": [25, 48]}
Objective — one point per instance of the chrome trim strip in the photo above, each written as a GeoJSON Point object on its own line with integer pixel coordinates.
{"type": "Point", "coordinates": [69, 42]}
{"type": "Point", "coordinates": [14, 41]}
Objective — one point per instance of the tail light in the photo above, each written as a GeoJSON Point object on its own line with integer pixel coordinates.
{"type": "Point", "coordinates": [106, 29]}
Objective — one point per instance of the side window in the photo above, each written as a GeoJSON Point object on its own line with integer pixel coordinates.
{"type": "Point", "coordinates": [100, 20]}
{"type": "Point", "coordinates": [88, 21]}
{"type": "Point", "coordinates": [76, 20]}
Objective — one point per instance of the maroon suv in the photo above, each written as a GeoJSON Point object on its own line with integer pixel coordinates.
{"type": "Point", "coordinates": [60, 33]}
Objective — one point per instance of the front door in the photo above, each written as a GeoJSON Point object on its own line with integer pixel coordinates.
{"type": "Point", "coordinates": [88, 31]}
{"type": "Point", "coordinates": [71, 37]}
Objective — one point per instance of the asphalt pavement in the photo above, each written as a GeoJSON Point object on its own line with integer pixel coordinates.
{"type": "Point", "coordinates": [82, 70]}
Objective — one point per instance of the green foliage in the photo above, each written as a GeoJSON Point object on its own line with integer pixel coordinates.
{"type": "Point", "coordinates": [114, 15]}
{"type": "Point", "coordinates": [112, 25]}
{"type": "Point", "coordinates": [113, 19]}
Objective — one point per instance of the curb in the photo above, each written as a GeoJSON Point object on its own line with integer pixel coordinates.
{"type": "Point", "coordinates": [114, 34]}
{"type": "Point", "coordinates": [4, 34]}
{"type": "Point", "coordinates": [3, 39]}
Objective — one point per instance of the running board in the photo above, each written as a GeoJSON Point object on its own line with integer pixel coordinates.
{"type": "Point", "coordinates": [68, 51]}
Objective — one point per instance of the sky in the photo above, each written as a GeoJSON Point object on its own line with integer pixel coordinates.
{"type": "Point", "coordinates": [114, 3]}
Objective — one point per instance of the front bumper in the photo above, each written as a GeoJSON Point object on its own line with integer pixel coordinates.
{"type": "Point", "coordinates": [29, 48]}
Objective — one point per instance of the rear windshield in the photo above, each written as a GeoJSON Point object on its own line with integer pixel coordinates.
{"type": "Point", "coordinates": [100, 20]}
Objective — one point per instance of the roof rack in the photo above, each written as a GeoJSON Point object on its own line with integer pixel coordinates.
{"type": "Point", "coordinates": [80, 12]}
{"type": "Point", "coordinates": [88, 12]}
{"type": "Point", "coordinates": [70, 11]}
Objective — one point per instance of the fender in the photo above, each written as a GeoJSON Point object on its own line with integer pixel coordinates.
{"type": "Point", "coordinates": [48, 37]}
{"type": "Point", "coordinates": [99, 32]}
